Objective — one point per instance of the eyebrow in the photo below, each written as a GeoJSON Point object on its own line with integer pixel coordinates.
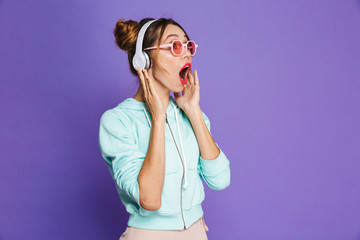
{"type": "Point", "coordinates": [174, 35]}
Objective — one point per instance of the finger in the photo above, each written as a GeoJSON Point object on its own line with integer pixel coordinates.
{"type": "Point", "coordinates": [149, 81]}
{"type": "Point", "coordinates": [196, 78]}
{"type": "Point", "coordinates": [190, 77]}
{"type": "Point", "coordinates": [142, 80]}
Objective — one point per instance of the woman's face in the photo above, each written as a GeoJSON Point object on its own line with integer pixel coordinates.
{"type": "Point", "coordinates": [173, 64]}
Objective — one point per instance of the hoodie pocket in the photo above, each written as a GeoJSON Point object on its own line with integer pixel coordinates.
{"type": "Point", "coordinates": [170, 197]}
{"type": "Point", "coordinates": [195, 191]}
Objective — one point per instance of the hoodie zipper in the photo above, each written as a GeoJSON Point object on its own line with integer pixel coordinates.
{"type": "Point", "coordinates": [182, 178]}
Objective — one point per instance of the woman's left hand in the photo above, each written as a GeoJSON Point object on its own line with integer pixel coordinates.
{"type": "Point", "coordinates": [190, 98]}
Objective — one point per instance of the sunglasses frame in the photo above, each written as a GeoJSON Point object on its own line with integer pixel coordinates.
{"type": "Point", "coordinates": [184, 45]}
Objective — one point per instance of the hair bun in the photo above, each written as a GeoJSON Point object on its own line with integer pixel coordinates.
{"type": "Point", "coordinates": [126, 33]}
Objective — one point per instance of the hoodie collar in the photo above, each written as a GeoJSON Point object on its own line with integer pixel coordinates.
{"type": "Point", "coordinates": [132, 103]}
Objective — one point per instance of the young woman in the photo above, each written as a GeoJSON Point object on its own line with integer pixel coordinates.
{"type": "Point", "coordinates": [158, 148]}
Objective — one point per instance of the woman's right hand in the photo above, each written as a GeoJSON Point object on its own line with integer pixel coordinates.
{"type": "Point", "coordinates": [150, 96]}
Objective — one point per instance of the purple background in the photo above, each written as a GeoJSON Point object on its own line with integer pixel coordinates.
{"type": "Point", "coordinates": [280, 82]}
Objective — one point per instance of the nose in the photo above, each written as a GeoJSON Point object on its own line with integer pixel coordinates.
{"type": "Point", "coordinates": [186, 53]}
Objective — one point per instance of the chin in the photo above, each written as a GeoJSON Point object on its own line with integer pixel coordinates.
{"type": "Point", "coordinates": [179, 89]}
{"type": "Point", "coordinates": [179, 86]}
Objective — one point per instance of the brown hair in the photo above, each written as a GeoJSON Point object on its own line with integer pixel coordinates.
{"type": "Point", "coordinates": [126, 33]}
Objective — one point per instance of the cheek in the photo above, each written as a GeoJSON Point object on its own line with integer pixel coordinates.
{"type": "Point", "coordinates": [169, 62]}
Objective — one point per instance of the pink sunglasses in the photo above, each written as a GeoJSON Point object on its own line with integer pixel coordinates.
{"type": "Point", "coordinates": [177, 47]}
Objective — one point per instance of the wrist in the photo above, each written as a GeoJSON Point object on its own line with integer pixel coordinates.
{"type": "Point", "coordinates": [159, 118]}
{"type": "Point", "coordinates": [193, 111]}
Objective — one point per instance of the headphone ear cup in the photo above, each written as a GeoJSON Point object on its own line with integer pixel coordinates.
{"type": "Point", "coordinates": [139, 61]}
{"type": "Point", "coordinates": [147, 59]}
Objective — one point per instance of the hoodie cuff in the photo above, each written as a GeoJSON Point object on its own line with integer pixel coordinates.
{"type": "Point", "coordinates": [216, 166]}
{"type": "Point", "coordinates": [135, 193]}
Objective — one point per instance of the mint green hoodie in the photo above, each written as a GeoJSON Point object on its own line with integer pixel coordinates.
{"type": "Point", "coordinates": [123, 140]}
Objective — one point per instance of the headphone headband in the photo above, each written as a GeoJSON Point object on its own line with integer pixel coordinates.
{"type": "Point", "coordinates": [141, 59]}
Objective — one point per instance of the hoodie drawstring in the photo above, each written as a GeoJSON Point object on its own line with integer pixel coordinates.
{"type": "Point", "coordinates": [182, 149]}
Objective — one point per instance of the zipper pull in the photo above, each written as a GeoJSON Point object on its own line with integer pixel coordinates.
{"type": "Point", "coordinates": [166, 120]}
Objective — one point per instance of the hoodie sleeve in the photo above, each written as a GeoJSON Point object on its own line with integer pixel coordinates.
{"type": "Point", "coordinates": [118, 148]}
{"type": "Point", "coordinates": [216, 173]}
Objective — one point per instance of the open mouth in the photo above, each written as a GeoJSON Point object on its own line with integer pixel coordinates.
{"type": "Point", "coordinates": [184, 72]}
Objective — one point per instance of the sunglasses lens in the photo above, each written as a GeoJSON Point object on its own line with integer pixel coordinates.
{"type": "Point", "coordinates": [191, 47]}
{"type": "Point", "coordinates": [177, 47]}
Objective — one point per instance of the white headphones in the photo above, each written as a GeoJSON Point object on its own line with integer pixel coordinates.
{"type": "Point", "coordinates": [141, 59]}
